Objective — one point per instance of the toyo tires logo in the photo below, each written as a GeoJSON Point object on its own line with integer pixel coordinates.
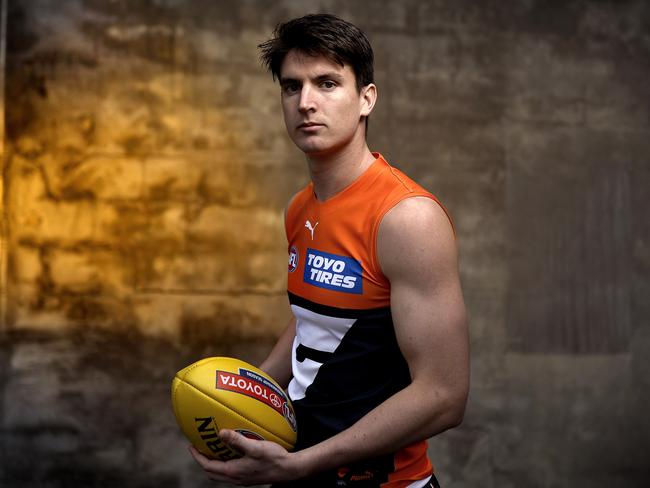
{"type": "Point", "coordinates": [333, 272]}
{"type": "Point", "coordinates": [255, 386]}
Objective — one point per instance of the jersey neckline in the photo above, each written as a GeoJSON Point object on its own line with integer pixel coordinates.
{"type": "Point", "coordinates": [364, 178]}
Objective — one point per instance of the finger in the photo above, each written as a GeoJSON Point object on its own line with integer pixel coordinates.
{"type": "Point", "coordinates": [237, 441]}
{"type": "Point", "coordinates": [202, 460]}
{"type": "Point", "coordinates": [230, 437]}
{"type": "Point", "coordinates": [211, 465]}
{"type": "Point", "coordinates": [213, 468]}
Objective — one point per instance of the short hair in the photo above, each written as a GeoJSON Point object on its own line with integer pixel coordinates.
{"type": "Point", "coordinates": [325, 35]}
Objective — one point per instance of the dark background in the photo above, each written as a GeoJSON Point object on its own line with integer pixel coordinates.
{"type": "Point", "coordinates": [145, 168]}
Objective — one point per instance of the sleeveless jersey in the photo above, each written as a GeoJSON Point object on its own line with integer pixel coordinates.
{"type": "Point", "coordinates": [345, 357]}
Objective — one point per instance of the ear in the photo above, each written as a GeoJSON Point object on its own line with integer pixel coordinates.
{"type": "Point", "coordinates": [367, 99]}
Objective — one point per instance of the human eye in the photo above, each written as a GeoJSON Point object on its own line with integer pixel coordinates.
{"type": "Point", "coordinates": [290, 88]}
{"type": "Point", "coordinates": [328, 84]}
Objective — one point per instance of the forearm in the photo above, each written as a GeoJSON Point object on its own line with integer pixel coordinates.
{"type": "Point", "coordinates": [278, 362]}
{"type": "Point", "coordinates": [413, 414]}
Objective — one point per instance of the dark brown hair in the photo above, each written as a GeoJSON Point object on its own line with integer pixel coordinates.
{"type": "Point", "coordinates": [325, 35]}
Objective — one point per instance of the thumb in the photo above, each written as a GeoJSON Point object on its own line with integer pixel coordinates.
{"type": "Point", "coordinates": [234, 440]}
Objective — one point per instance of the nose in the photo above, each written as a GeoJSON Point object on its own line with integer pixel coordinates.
{"type": "Point", "coordinates": [307, 102]}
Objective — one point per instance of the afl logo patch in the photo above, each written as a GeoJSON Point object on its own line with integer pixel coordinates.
{"type": "Point", "coordinates": [293, 259]}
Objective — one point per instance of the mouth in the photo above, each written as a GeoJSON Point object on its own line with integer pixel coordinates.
{"type": "Point", "coordinates": [309, 126]}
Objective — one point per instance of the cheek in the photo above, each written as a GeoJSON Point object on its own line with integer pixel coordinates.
{"type": "Point", "coordinates": [350, 113]}
{"type": "Point", "coordinates": [348, 106]}
{"type": "Point", "coordinates": [287, 114]}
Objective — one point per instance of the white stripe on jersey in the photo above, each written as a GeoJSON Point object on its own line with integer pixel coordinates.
{"type": "Point", "coordinates": [420, 484]}
{"type": "Point", "coordinates": [317, 331]}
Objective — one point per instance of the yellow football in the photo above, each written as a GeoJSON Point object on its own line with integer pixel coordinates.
{"type": "Point", "coordinates": [226, 393]}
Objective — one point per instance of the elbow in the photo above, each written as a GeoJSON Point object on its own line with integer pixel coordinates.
{"type": "Point", "coordinates": [456, 403]}
{"type": "Point", "coordinates": [446, 406]}
{"type": "Point", "coordinates": [456, 416]}
{"type": "Point", "coordinates": [450, 415]}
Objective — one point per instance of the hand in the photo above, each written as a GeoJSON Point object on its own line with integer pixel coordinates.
{"type": "Point", "coordinates": [262, 462]}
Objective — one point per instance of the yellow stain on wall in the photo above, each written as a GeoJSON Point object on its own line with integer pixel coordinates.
{"type": "Point", "coordinates": [141, 202]}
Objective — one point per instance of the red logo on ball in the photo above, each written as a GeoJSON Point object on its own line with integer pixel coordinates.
{"type": "Point", "coordinates": [250, 435]}
{"type": "Point", "coordinates": [247, 386]}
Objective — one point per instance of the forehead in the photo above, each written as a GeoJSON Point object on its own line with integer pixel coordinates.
{"type": "Point", "coordinates": [298, 65]}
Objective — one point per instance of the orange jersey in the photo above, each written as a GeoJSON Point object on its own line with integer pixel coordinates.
{"type": "Point", "coordinates": [345, 358]}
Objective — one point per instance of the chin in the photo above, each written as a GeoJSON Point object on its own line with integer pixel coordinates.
{"type": "Point", "coordinates": [311, 148]}
{"type": "Point", "coordinates": [319, 151]}
{"type": "Point", "coordinates": [319, 148]}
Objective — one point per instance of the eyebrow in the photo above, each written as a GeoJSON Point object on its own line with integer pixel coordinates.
{"type": "Point", "coordinates": [330, 75]}
{"type": "Point", "coordinates": [286, 81]}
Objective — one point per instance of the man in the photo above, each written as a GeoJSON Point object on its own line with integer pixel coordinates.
{"type": "Point", "coordinates": [376, 357]}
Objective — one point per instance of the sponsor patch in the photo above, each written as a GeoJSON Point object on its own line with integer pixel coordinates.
{"type": "Point", "coordinates": [333, 272]}
{"type": "Point", "coordinates": [255, 386]}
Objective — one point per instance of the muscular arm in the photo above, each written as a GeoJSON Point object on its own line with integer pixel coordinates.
{"type": "Point", "coordinates": [417, 252]}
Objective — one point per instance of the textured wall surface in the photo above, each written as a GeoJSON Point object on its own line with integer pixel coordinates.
{"type": "Point", "coordinates": [145, 168]}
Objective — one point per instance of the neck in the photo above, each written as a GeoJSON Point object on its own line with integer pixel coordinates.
{"type": "Point", "coordinates": [333, 172]}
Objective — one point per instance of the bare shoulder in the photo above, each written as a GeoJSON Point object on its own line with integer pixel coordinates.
{"type": "Point", "coordinates": [418, 213]}
{"type": "Point", "coordinates": [414, 235]}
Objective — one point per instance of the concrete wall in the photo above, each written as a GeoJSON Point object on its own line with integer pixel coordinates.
{"type": "Point", "coordinates": [146, 166]}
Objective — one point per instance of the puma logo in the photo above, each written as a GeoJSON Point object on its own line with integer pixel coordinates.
{"type": "Point", "coordinates": [311, 228]}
